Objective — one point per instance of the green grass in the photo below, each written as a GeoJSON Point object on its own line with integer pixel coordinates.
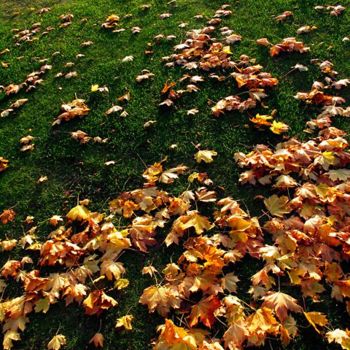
{"type": "Point", "coordinates": [78, 171]}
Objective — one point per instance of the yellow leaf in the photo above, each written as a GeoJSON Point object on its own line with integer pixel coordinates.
{"type": "Point", "coordinates": [316, 319]}
{"type": "Point", "coordinates": [205, 156]}
{"type": "Point", "coordinates": [94, 87]}
{"type": "Point", "coordinates": [121, 283]}
{"type": "Point", "coordinates": [329, 157]}
{"type": "Point", "coordinates": [78, 213]}
{"type": "Point", "coordinates": [57, 342]}
{"type": "Point", "coordinates": [199, 222]}
{"type": "Point", "coordinates": [261, 119]}
{"type": "Point", "coordinates": [227, 50]}
{"type": "Point", "coordinates": [9, 337]}
{"type": "Point", "coordinates": [125, 322]}
{"type": "Point", "coordinates": [278, 127]}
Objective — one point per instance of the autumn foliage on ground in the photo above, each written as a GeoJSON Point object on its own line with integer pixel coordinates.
{"type": "Point", "coordinates": [300, 244]}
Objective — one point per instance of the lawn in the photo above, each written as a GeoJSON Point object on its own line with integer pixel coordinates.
{"type": "Point", "coordinates": [77, 171]}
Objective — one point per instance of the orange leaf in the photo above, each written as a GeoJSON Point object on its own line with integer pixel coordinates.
{"type": "Point", "coordinates": [281, 303]}
{"type": "Point", "coordinates": [204, 311]}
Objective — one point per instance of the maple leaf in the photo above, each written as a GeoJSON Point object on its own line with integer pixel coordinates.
{"type": "Point", "coordinates": [114, 109]}
{"type": "Point", "coordinates": [4, 163]}
{"type": "Point", "coordinates": [204, 310]}
{"type": "Point", "coordinates": [80, 136]}
{"type": "Point", "coordinates": [261, 119]}
{"type": "Point", "coordinates": [150, 270]}
{"type": "Point", "coordinates": [94, 87]}
{"type": "Point", "coordinates": [162, 299]}
{"type": "Point", "coordinates": [8, 245]}
{"type": "Point", "coordinates": [8, 215]}
{"type": "Point", "coordinates": [205, 156]}
{"type": "Point", "coordinates": [288, 45]}
{"type": "Point", "coordinates": [111, 22]}
{"type": "Point", "coordinates": [125, 322]}
{"type": "Point", "coordinates": [97, 340]}
{"type": "Point", "coordinates": [306, 29]}
{"type": "Point", "coordinates": [11, 268]}
{"type": "Point", "coordinates": [235, 335]}
{"type": "Point", "coordinates": [263, 42]}
{"type": "Point", "coordinates": [192, 219]}
{"type": "Point", "coordinates": [279, 127]}
{"type": "Point", "coordinates": [78, 213]}
{"type": "Point", "coordinates": [177, 338]}
{"type": "Point", "coordinates": [97, 301]}
{"type": "Point", "coordinates": [199, 222]}
{"type": "Point", "coordinates": [285, 15]}
{"type": "Point", "coordinates": [121, 283]}
{"type": "Point", "coordinates": [229, 282]}
{"type": "Point", "coordinates": [339, 174]}
{"type": "Point", "coordinates": [42, 305]}
{"type": "Point", "coordinates": [168, 176]}
{"type": "Point", "coordinates": [75, 292]}
{"type": "Point", "coordinates": [9, 337]}
{"type": "Point", "coordinates": [111, 269]}
{"type": "Point", "coordinates": [281, 303]}
{"type": "Point", "coordinates": [316, 319]}
{"type": "Point", "coordinates": [284, 182]}
{"type": "Point", "coordinates": [55, 220]}
{"type": "Point", "coordinates": [340, 337]}
{"type": "Point", "coordinates": [75, 109]}
{"type": "Point", "coordinates": [142, 232]}
{"type": "Point", "coordinates": [277, 206]}
{"type": "Point", "coordinates": [57, 342]}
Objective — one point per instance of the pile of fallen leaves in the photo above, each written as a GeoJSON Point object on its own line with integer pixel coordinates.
{"type": "Point", "coordinates": [83, 250]}
{"type": "Point", "coordinates": [213, 57]}
{"type": "Point", "coordinates": [302, 242]}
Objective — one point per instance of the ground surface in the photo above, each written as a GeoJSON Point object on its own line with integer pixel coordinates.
{"type": "Point", "coordinates": [76, 171]}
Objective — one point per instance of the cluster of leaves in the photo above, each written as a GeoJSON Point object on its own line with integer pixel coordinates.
{"type": "Point", "coordinates": [201, 52]}
{"type": "Point", "coordinates": [32, 80]}
{"type": "Point", "coordinates": [83, 250]}
{"type": "Point", "coordinates": [308, 221]}
{"type": "Point", "coordinates": [75, 109]}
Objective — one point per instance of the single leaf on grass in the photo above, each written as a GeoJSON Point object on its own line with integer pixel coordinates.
{"type": "Point", "coordinates": [8, 215]}
{"type": "Point", "coordinates": [4, 163]}
{"type": "Point", "coordinates": [279, 127]}
{"type": "Point", "coordinates": [205, 156]}
{"type": "Point", "coordinates": [97, 340]}
{"type": "Point", "coordinates": [125, 322]}
{"type": "Point", "coordinates": [57, 342]}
